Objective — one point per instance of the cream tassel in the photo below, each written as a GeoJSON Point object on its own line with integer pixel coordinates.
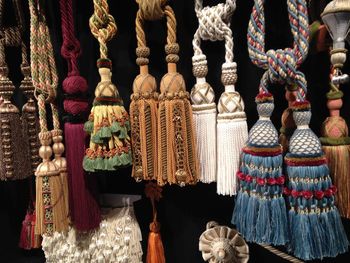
{"type": "Point", "coordinates": [232, 132]}
{"type": "Point", "coordinates": [204, 118]}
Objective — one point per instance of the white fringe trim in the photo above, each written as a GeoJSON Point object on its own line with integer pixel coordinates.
{"type": "Point", "coordinates": [231, 137]}
{"type": "Point", "coordinates": [205, 127]}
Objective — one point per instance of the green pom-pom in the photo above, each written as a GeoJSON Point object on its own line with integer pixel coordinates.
{"type": "Point", "coordinates": [89, 127]}
{"type": "Point", "coordinates": [88, 164]}
{"type": "Point", "coordinates": [99, 163]}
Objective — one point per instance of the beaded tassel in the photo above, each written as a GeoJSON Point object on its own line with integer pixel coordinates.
{"type": "Point", "coordinates": [143, 111]}
{"type": "Point", "coordinates": [177, 162]}
{"type": "Point", "coordinates": [108, 123]}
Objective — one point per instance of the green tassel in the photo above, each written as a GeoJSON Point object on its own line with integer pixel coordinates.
{"type": "Point", "coordinates": [89, 127]}
{"type": "Point", "coordinates": [104, 133]}
{"type": "Point", "coordinates": [123, 133]}
{"type": "Point", "coordinates": [115, 127]}
{"type": "Point", "coordinates": [99, 163]}
{"type": "Point", "coordinates": [125, 159]}
{"type": "Point", "coordinates": [88, 164]}
{"type": "Point", "coordinates": [96, 139]}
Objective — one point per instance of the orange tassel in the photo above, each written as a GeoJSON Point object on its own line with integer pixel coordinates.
{"type": "Point", "coordinates": [155, 249]}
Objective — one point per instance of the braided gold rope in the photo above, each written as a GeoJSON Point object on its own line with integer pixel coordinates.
{"type": "Point", "coordinates": [281, 254]}
{"type": "Point", "coordinates": [102, 25]}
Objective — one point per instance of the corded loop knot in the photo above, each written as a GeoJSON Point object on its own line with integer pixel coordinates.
{"type": "Point", "coordinates": [152, 9]}
{"type": "Point", "coordinates": [282, 68]}
{"type": "Point", "coordinates": [214, 21]}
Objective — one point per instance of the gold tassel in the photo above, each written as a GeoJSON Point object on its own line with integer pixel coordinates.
{"type": "Point", "coordinates": [143, 118]}
{"type": "Point", "coordinates": [177, 157]}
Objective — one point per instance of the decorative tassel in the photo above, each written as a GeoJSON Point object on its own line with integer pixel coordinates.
{"type": "Point", "coordinates": [108, 122]}
{"type": "Point", "coordinates": [143, 112]}
{"type": "Point", "coordinates": [155, 249]}
{"type": "Point", "coordinates": [204, 118]}
{"type": "Point", "coordinates": [232, 132]}
{"type": "Point", "coordinates": [28, 238]}
{"type": "Point", "coordinates": [14, 148]}
{"type": "Point", "coordinates": [260, 211]}
{"type": "Point", "coordinates": [178, 162]}
{"type": "Point", "coordinates": [315, 225]}
{"type": "Point", "coordinates": [336, 145]}
{"type": "Point", "coordinates": [83, 208]}
{"type": "Point", "coordinates": [51, 206]}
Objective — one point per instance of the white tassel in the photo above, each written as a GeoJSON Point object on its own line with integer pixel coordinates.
{"type": "Point", "coordinates": [232, 135]}
{"type": "Point", "coordinates": [204, 118]}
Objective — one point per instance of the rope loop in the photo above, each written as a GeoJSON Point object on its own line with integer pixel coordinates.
{"type": "Point", "coordinates": [281, 65]}
{"type": "Point", "coordinates": [152, 9]}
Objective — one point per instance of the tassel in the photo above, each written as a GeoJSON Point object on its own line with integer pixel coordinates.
{"type": "Point", "coordinates": [155, 249]}
{"type": "Point", "coordinates": [261, 217]}
{"type": "Point", "coordinates": [84, 210]}
{"type": "Point", "coordinates": [316, 229]}
{"type": "Point", "coordinates": [232, 132]}
{"type": "Point", "coordinates": [143, 118]}
{"type": "Point", "coordinates": [14, 149]}
{"type": "Point", "coordinates": [109, 143]}
{"type": "Point", "coordinates": [28, 238]}
{"type": "Point", "coordinates": [178, 162]}
{"type": "Point", "coordinates": [336, 145]}
{"type": "Point", "coordinates": [108, 122]}
{"type": "Point", "coordinates": [204, 118]}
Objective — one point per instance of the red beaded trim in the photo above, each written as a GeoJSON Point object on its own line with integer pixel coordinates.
{"type": "Point", "coordinates": [261, 181]}
{"type": "Point", "coordinates": [307, 194]}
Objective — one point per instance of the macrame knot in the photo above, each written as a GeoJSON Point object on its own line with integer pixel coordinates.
{"type": "Point", "coordinates": [200, 67]}
{"type": "Point", "coordinates": [152, 9]}
{"type": "Point", "coordinates": [172, 50]}
{"type": "Point", "coordinates": [214, 21]}
{"type": "Point", "coordinates": [283, 68]}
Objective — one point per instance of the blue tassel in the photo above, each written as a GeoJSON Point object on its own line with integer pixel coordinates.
{"type": "Point", "coordinates": [279, 235]}
{"type": "Point", "coordinates": [341, 241]}
{"type": "Point", "coordinates": [263, 221]}
{"type": "Point", "coordinates": [291, 220]}
{"type": "Point", "coordinates": [240, 210]}
{"type": "Point", "coordinates": [251, 216]}
{"type": "Point", "coordinates": [317, 235]}
{"type": "Point", "coordinates": [302, 240]}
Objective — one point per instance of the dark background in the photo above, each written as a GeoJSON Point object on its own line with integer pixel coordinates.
{"type": "Point", "coordinates": [183, 212]}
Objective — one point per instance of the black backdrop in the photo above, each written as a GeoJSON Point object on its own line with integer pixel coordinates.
{"type": "Point", "coordinates": [183, 212]}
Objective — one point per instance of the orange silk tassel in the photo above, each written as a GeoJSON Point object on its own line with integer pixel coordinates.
{"type": "Point", "coordinates": [155, 249]}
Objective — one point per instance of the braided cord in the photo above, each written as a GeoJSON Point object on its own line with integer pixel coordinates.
{"type": "Point", "coordinates": [102, 26]}
{"type": "Point", "coordinates": [43, 64]}
{"type": "Point", "coordinates": [214, 25]}
{"type": "Point", "coordinates": [281, 65]}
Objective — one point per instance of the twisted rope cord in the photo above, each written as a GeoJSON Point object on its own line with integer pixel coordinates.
{"type": "Point", "coordinates": [70, 49]}
{"type": "Point", "coordinates": [214, 25]}
{"type": "Point", "coordinates": [281, 65]}
{"type": "Point", "coordinates": [281, 254]}
{"type": "Point", "coordinates": [43, 65]}
{"type": "Point", "coordinates": [102, 26]}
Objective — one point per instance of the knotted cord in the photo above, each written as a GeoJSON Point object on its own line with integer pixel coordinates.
{"type": "Point", "coordinates": [281, 65]}
{"type": "Point", "coordinates": [102, 25]}
{"type": "Point", "coordinates": [214, 25]}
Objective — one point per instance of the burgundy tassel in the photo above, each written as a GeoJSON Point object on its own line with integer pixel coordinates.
{"type": "Point", "coordinates": [84, 210]}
